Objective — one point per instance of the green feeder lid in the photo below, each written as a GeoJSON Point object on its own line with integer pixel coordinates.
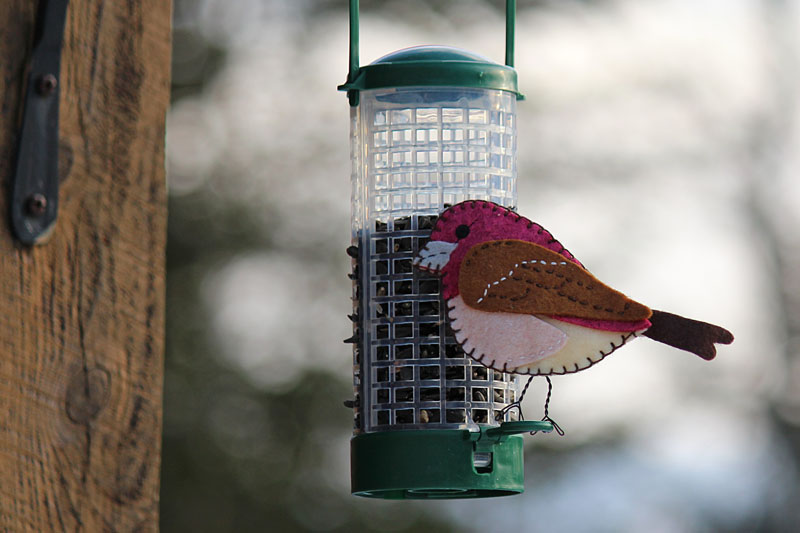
{"type": "Point", "coordinates": [430, 66]}
{"type": "Point", "coordinates": [433, 66]}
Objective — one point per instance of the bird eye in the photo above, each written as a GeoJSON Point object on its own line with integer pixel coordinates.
{"type": "Point", "coordinates": [462, 231]}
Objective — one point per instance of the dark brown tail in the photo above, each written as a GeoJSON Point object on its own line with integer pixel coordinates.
{"type": "Point", "coordinates": [687, 334]}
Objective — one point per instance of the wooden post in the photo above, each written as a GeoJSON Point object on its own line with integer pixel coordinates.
{"type": "Point", "coordinates": [82, 317]}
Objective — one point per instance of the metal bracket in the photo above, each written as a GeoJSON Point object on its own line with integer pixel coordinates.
{"type": "Point", "coordinates": [34, 196]}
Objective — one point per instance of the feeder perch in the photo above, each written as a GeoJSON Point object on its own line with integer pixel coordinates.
{"type": "Point", "coordinates": [431, 126]}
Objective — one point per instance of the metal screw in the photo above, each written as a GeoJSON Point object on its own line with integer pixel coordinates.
{"type": "Point", "coordinates": [46, 85]}
{"type": "Point", "coordinates": [36, 205]}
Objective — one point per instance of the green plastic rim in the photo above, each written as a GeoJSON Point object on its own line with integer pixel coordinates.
{"type": "Point", "coordinates": [439, 464]}
{"type": "Point", "coordinates": [434, 66]}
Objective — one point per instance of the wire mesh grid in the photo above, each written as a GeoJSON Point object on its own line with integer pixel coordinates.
{"type": "Point", "coordinates": [410, 160]}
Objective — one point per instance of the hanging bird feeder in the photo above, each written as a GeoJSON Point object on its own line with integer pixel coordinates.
{"type": "Point", "coordinates": [431, 126]}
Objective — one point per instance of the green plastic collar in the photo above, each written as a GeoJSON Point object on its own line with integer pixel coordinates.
{"type": "Point", "coordinates": [441, 464]}
{"type": "Point", "coordinates": [434, 66]}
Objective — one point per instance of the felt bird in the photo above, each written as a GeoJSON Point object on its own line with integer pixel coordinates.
{"type": "Point", "coordinates": [518, 301]}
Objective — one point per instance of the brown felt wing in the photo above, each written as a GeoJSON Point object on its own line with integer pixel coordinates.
{"type": "Point", "coordinates": [516, 276]}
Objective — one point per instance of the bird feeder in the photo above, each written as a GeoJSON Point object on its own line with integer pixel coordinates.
{"type": "Point", "coordinates": [431, 126]}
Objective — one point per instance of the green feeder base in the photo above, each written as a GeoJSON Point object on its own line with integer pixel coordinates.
{"type": "Point", "coordinates": [441, 464]}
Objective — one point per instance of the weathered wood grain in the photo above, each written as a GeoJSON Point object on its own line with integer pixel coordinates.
{"type": "Point", "coordinates": [82, 317]}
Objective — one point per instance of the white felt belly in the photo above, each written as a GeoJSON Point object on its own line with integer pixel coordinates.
{"type": "Point", "coordinates": [584, 347]}
{"type": "Point", "coordinates": [503, 341]}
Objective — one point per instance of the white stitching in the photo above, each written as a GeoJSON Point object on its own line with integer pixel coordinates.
{"type": "Point", "coordinates": [511, 273]}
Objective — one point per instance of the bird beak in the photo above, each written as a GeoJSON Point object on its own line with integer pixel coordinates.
{"type": "Point", "coordinates": [434, 256]}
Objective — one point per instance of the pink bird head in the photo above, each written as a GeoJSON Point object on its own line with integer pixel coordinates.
{"type": "Point", "coordinates": [472, 222]}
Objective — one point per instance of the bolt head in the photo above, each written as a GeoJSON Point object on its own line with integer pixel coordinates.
{"type": "Point", "coordinates": [36, 205]}
{"type": "Point", "coordinates": [46, 84]}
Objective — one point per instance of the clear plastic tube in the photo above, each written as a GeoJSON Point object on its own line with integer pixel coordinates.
{"type": "Point", "coordinates": [414, 151]}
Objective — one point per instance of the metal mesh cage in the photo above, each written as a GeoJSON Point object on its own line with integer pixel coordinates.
{"type": "Point", "coordinates": [415, 150]}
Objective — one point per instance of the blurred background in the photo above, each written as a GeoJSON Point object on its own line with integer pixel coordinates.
{"type": "Point", "coordinates": [658, 142]}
